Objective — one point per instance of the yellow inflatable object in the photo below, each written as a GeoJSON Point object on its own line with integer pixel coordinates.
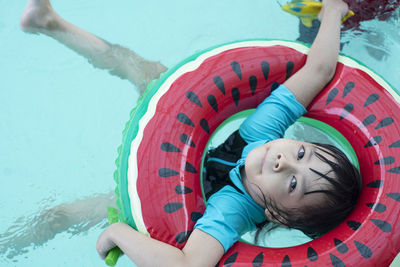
{"type": "Point", "coordinates": [307, 11]}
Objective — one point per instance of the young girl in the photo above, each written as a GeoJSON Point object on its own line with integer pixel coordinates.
{"type": "Point", "coordinates": [311, 187]}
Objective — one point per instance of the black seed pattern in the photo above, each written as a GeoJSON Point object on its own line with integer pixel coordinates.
{"type": "Point", "coordinates": [340, 246]}
{"type": "Point", "coordinates": [194, 98]}
{"type": "Point", "coordinates": [371, 99]}
{"type": "Point", "coordinates": [384, 226]}
{"type": "Point", "coordinates": [354, 225]}
{"type": "Point", "coordinates": [395, 196]}
{"type": "Point", "coordinates": [182, 237]}
{"type": "Point", "coordinates": [332, 94]}
{"type": "Point", "coordinates": [204, 125]}
{"type": "Point", "coordinates": [346, 110]}
{"type": "Point", "coordinates": [347, 88]}
{"type": "Point", "coordinates": [395, 144]}
{"type": "Point", "coordinates": [195, 216]}
{"type": "Point", "coordinates": [253, 84]}
{"type": "Point", "coordinates": [182, 117]}
{"type": "Point", "coordinates": [168, 147]}
{"type": "Point", "coordinates": [289, 69]}
{"type": "Point", "coordinates": [187, 140]}
{"type": "Point", "coordinates": [265, 69]}
{"type": "Point", "coordinates": [236, 68]}
{"type": "Point", "coordinates": [274, 86]}
{"type": "Point", "coordinates": [286, 262]}
{"type": "Point", "coordinates": [219, 83]}
{"type": "Point", "coordinates": [182, 190]}
{"type": "Point", "coordinates": [258, 260]}
{"type": "Point", "coordinates": [231, 259]}
{"type": "Point", "coordinates": [336, 262]}
{"type": "Point", "coordinates": [378, 207]}
{"type": "Point", "coordinates": [165, 172]}
{"type": "Point", "coordinates": [385, 122]}
{"type": "Point", "coordinates": [235, 95]}
{"type": "Point", "coordinates": [373, 141]}
{"type": "Point", "coordinates": [363, 249]}
{"type": "Point", "coordinates": [367, 121]}
{"type": "Point", "coordinates": [312, 255]}
{"type": "Point", "coordinates": [375, 184]}
{"type": "Point", "coordinates": [385, 161]}
{"type": "Point", "coordinates": [172, 207]}
{"type": "Point", "coordinates": [190, 168]}
{"type": "Point", "coordinates": [213, 102]}
{"type": "Point", "coordinates": [395, 170]}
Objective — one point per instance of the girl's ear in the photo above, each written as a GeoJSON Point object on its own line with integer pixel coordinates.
{"type": "Point", "coordinates": [275, 218]}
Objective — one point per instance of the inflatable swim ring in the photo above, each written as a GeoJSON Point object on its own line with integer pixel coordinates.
{"type": "Point", "coordinates": [158, 168]}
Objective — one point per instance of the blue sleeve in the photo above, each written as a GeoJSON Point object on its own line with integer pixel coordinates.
{"type": "Point", "coordinates": [226, 217]}
{"type": "Point", "coordinates": [272, 117]}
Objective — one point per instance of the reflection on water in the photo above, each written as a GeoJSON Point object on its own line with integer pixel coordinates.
{"type": "Point", "coordinates": [36, 229]}
{"type": "Point", "coordinates": [375, 45]}
{"type": "Point", "coordinates": [377, 38]}
{"type": "Point", "coordinates": [366, 10]}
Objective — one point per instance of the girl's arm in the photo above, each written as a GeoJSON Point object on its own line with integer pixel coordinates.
{"type": "Point", "coordinates": [320, 66]}
{"type": "Point", "coordinates": [201, 248]}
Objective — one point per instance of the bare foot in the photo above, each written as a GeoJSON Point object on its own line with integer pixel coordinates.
{"type": "Point", "coordinates": [38, 16]}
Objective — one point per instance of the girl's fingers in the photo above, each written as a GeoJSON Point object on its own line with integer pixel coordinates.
{"type": "Point", "coordinates": [104, 244]}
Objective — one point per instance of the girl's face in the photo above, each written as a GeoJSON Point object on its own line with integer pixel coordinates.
{"type": "Point", "coordinates": [280, 170]}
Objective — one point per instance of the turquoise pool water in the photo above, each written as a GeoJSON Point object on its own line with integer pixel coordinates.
{"type": "Point", "coordinates": [61, 119]}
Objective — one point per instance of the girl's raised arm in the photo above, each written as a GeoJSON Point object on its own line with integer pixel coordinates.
{"type": "Point", "coordinates": [200, 250]}
{"type": "Point", "coordinates": [320, 66]}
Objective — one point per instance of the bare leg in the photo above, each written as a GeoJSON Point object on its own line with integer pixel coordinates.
{"type": "Point", "coordinates": [40, 17]}
{"type": "Point", "coordinates": [38, 228]}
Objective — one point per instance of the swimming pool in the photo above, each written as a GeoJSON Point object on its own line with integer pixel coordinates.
{"type": "Point", "coordinates": [61, 119]}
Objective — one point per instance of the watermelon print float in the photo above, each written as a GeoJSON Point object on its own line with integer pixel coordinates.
{"type": "Point", "coordinates": [159, 164]}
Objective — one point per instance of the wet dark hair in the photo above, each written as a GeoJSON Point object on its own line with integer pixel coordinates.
{"type": "Point", "coordinates": [340, 198]}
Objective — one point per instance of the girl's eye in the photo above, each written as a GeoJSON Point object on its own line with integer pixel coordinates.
{"type": "Point", "coordinates": [301, 152]}
{"type": "Point", "coordinates": [293, 184]}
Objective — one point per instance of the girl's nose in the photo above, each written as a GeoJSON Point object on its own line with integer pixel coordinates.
{"type": "Point", "coordinates": [280, 163]}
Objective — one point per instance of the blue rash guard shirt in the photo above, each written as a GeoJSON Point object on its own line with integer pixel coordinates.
{"type": "Point", "coordinates": [230, 213]}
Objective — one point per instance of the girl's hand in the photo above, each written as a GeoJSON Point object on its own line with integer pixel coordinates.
{"type": "Point", "coordinates": [337, 5]}
{"type": "Point", "coordinates": [105, 242]}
